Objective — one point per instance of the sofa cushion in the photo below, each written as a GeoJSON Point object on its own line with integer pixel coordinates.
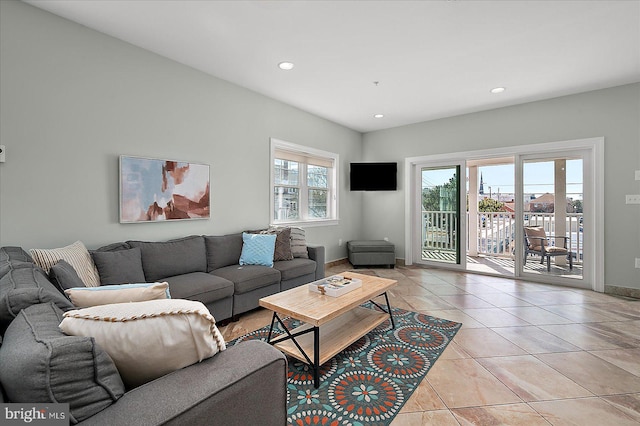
{"type": "Point", "coordinates": [248, 277]}
{"type": "Point", "coordinates": [200, 286]}
{"type": "Point", "coordinates": [295, 268]}
{"type": "Point", "coordinates": [76, 255]}
{"type": "Point", "coordinates": [13, 257]}
{"type": "Point", "coordinates": [223, 250]}
{"type": "Point", "coordinates": [83, 297]}
{"type": "Point", "coordinates": [63, 276]}
{"type": "Point", "coordinates": [23, 287]}
{"type": "Point", "coordinates": [121, 245]}
{"type": "Point", "coordinates": [370, 246]}
{"type": "Point", "coordinates": [537, 237]}
{"type": "Point", "coordinates": [12, 253]}
{"type": "Point", "coordinates": [40, 364]}
{"type": "Point", "coordinates": [169, 258]}
{"type": "Point", "coordinates": [147, 340]}
{"type": "Point", "coordinates": [119, 266]}
{"type": "Point", "coordinates": [257, 249]}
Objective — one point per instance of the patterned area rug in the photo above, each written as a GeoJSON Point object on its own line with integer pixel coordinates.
{"type": "Point", "coordinates": [370, 381]}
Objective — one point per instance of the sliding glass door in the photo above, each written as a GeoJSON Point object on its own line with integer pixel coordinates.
{"type": "Point", "coordinates": [439, 214]}
{"type": "Point", "coordinates": [553, 217]}
{"type": "Point", "coordinates": [470, 210]}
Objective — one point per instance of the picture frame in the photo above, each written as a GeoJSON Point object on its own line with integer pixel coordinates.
{"type": "Point", "coordinates": [159, 190]}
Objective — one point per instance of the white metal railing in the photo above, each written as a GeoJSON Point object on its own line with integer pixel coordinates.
{"type": "Point", "coordinates": [439, 230]}
{"type": "Point", "coordinates": [496, 231]}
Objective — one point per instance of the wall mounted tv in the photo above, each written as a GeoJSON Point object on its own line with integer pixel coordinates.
{"type": "Point", "coordinates": [374, 176]}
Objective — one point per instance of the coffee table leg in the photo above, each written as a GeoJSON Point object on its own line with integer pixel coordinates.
{"type": "Point", "coordinates": [386, 298]}
{"type": "Point", "coordinates": [273, 320]}
{"type": "Point", "coordinates": [316, 357]}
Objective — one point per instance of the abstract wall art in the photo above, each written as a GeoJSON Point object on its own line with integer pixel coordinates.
{"type": "Point", "coordinates": [154, 190]}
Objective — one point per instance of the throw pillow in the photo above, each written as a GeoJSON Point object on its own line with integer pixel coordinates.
{"type": "Point", "coordinates": [83, 297]}
{"type": "Point", "coordinates": [64, 276]}
{"type": "Point", "coordinates": [299, 243]}
{"type": "Point", "coordinates": [147, 340]}
{"type": "Point", "coordinates": [540, 237]}
{"type": "Point", "coordinates": [257, 249]}
{"type": "Point", "coordinates": [76, 255]}
{"type": "Point", "coordinates": [40, 364]}
{"type": "Point", "coordinates": [283, 243]}
{"type": "Point", "coordinates": [120, 266]}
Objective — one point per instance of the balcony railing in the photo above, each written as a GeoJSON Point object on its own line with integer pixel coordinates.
{"type": "Point", "coordinates": [439, 231]}
{"type": "Point", "coordinates": [496, 231]}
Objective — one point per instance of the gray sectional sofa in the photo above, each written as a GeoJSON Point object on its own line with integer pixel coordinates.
{"type": "Point", "coordinates": [206, 269]}
{"type": "Point", "coordinates": [244, 384]}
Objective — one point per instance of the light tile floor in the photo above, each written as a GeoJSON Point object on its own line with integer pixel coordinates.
{"type": "Point", "coordinates": [527, 353]}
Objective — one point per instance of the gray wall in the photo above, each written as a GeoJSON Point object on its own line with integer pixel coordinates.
{"type": "Point", "coordinates": [613, 113]}
{"type": "Point", "coordinates": [74, 100]}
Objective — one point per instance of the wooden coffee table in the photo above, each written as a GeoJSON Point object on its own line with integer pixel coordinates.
{"type": "Point", "coordinates": [336, 322]}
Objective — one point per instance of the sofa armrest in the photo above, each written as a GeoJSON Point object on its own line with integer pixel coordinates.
{"type": "Point", "coordinates": [245, 384]}
{"type": "Point", "coordinates": [316, 253]}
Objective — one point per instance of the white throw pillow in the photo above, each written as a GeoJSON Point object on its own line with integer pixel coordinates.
{"type": "Point", "coordinates": [76, 255]}
{"type": "Point", "coordinates": [147, 340]}
{"type": "Point", "coordinates": [83, 297]}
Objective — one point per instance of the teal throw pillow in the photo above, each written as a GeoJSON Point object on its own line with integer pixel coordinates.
{"type": "Point", "coordinates": [257, 249]}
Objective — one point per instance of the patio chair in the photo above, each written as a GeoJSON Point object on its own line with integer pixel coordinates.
{"type": "Point", "coordinates": [536, 241]}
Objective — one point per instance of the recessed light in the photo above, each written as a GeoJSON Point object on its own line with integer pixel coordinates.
{"type": "Point", "coordinates": [497, 90]}
{"type": "Point", "coordinates": [378, 115]}
{"type": "Point", "coordinates": [285, 66]}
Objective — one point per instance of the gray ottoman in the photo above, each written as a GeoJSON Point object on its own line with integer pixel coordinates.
{"type": "Point", "coordinates": [371, 252]}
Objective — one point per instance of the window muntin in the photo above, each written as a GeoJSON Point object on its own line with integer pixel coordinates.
{"type": "Point", "coordinates": [304, 184]}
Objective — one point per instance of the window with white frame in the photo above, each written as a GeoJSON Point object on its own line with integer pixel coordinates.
{"type": "Point", "coordinates": [303, 184]}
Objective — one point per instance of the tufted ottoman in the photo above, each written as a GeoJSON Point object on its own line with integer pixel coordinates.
{"type": "Point", "coordinates": [371, 252]}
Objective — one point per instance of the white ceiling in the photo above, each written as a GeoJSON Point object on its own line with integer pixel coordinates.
{"type": "Point", "coordinates": [433, 59]}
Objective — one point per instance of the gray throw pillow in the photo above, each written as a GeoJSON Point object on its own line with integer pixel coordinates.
{"type": "Point", "coordinates": [119, 266]}
{"type": "Point", "coordinates": [298, 242]}
{"type": "Point", "coordinates": [64, 276]}
{"type": "Point", "coordinates": [283, 244]}
{"type": "Point", "coordinates": [41, 364]}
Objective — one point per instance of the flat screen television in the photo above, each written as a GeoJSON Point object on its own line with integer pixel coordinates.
{"type": "Point", "coordinates": [374, 176]}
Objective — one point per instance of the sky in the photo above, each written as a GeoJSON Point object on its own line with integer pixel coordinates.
{"type": "Point", "coordinates": [537, 176]}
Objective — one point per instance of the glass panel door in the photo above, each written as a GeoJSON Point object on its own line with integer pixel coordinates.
{"type": "Point", "coordinates": [553, 217]}
{"type": "Point", "coordinates": [440, 220]}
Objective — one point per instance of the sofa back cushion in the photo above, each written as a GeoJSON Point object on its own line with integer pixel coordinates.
{"type": "Point", "coordinates": [40, 364]}
{"type": "Point", "coordinates": [13, 257]}
{"type": "Point", "coordinates": [224, 250]}
{"type": "Point", "coordinates": [169, 258]}
{"type": "Point", "coordinates": [11, 253]}
{"type": "Point", "coordinates": [23, 287]}
{"type": "Point", "coordinates": [119, 266]}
